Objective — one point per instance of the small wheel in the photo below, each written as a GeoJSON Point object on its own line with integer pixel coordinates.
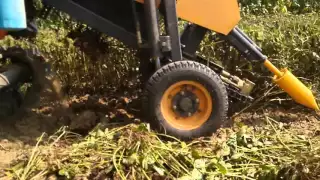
{"type": "Point", "coordinates": [185, 99]}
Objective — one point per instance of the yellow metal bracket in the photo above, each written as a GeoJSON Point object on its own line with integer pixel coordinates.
{"type": "Point", "coordinates": [293, 86]}
{"type": "Point", "coordinates": [217, 15]}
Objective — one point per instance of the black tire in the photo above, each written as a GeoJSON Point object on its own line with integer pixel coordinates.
{"type": "Point", "coordinates": [10, 102]}
{"type": "Point", "coordinates": [182, 71]}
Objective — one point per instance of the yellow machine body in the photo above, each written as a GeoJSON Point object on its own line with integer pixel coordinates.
{"type": "Point", "coordinates": [296, 89]}
{"type": "Point", "coordinates": [293, 86]}
{"type": "Point", "coordinates": [217, 15]}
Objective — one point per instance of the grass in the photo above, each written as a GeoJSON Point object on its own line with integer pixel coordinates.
{"type": "Point", "coordinates": [271, 151]}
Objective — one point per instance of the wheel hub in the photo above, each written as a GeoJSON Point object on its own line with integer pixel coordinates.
{"type": "Point", "coordinates": [185, 103]}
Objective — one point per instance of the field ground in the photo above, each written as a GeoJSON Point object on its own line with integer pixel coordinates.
{"type": "Point", "coordinates": [117, 110]}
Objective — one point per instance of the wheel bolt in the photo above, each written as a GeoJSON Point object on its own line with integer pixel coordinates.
{"type": "Point", "coordinates": [182, 93]}
{"type": "Point", "coordinates": [189, 114]}
{"type": "Point", "coordinates": [174, 107]}
{"type": "Point", "coordinates": [197, 100]}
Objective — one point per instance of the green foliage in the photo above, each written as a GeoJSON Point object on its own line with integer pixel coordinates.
{"type": "Point", "coordinates": [135, 152]}
{"type": "Point", "coordinates": [291, 41]}
{"type": "Point", "coordinates": [276, 6]}
{"type": "Point", "coordinates": [82, 72]}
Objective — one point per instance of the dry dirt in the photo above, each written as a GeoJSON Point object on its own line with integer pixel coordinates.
{"type": "Point", "coordinates": [81, 115]}
{"type": "Point", "coordinates": [86, 111]}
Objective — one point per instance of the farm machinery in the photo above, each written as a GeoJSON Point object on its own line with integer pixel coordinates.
{"type": "Point", "coordinates": [185, 95]}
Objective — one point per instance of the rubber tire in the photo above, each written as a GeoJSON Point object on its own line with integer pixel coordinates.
{"type": "Point", "coordinates": [16, 99]}
{"type": "Point", "coordinates": [174, 72]}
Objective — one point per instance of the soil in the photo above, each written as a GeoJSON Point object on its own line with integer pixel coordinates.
{"type": "Point", "coordinates": [79, 113]}
{"type": "Point", "coordinates": [82, 113]}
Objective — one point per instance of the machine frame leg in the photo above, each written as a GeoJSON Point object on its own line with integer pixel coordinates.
{"type": "Point", "coordinates": [153, 31]}
{"type": "Point", "coordinates": [172, 29]}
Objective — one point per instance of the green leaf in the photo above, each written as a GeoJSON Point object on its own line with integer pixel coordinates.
{"type": "Point", "coordinates": [222, 167]}
{"type": "Point", "coordinates": [62, 172]}
{"type": "Point", "coordinates": [134, 158]}
{"type": "Point", "coordinates": [100, 133]}
{"type": "Point", "coordinates": [183, 145]}
{"type": "Point", "coordinates": [260, 36]}
{"type": "Point", "coordinates": [195, 154]}
{"type": "Point", "coordinates": [65, 173]}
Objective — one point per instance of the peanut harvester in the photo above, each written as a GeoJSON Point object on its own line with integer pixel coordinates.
{"type": "Point", "coordinates": [185, 95]}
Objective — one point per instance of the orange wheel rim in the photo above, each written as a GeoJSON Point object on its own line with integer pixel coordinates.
{"type": "Point", "coordinates": [201, 112]}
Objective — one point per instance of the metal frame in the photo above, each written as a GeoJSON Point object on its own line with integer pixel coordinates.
{"type": "Point", "coordinates": [150, 10]}
{"type": "Point", "coordinates": [160, 44]}
{"type": "Point", "coordinates": [244, 45]}
{"type": "Point", "coordinates": [105, 26]}
{"type": "Point", "coordinates": [179, 46]}
{"type": "Point", "coordinates": [191, 38]}
{"type": "Point", "coordinates": [172, 29]}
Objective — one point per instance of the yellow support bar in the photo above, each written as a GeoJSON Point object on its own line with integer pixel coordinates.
{"type": "Point", "coordinates": [293, 86]}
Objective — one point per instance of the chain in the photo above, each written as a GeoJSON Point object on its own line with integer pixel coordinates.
{"type": "Point", "coordinates": [237, 100]}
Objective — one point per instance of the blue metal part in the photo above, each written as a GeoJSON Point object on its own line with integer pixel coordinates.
{"type": "Point", "coordinates": [12, 15]}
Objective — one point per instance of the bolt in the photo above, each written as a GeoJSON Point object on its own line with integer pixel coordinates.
{"type": "Point", "coordinates": [182, 93]}
{"type": "Point", "coordinates": [174, 107]}
{"type": "Point", "coordinates": [197, 100]}
{"type": "Point", "coordinates": [189, 114]}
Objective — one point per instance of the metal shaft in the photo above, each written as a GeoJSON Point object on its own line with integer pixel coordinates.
{"type": "Point", "coordinates": [13, 75]}
{"type": "Point", "coordinates": [171, 20]}
{"type": "Point", "coordinates": [153, 30]}
{"type": "Point", "coordinates": [272, 68]}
